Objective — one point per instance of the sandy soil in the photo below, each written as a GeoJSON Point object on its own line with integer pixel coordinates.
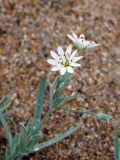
{"type": "Point", "coordinates": [28, 31]}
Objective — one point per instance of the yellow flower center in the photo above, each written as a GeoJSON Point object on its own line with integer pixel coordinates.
{"type": "Point", "coordinates": [66, 63]}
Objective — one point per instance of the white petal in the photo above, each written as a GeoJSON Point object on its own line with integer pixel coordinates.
{"type": "Point", "coordinates": [70, 69]}
{"type": "Point", "coordinates": [73, 54]}
{"type": "Point", "coordinates": [51, 61]}
{"type": "Point", "coordinates": [75, 64]}
{"type": "Point", "coordinates": [81, 46]}
{"type": "Point", "coordinates": [74, 35]}
{"type": "Point", "coordinates": [55, 68]}
{"type": "Point", "coordinates": [60, 51]}
{"type": "Point", "coordinates": [92, 45]}
{"type": "Point", "coordinates": [68, 50]}
{"type": "Point", "coordinates": [62, 70]}
{"type": "Point", "coordinates": [72, 38]}
{"type": "Point", "coordinates": [75, 59]}
{"type": "Point", "coordinates": [86, 42]}
{"type": "Point", "coordinates": [54, 55]}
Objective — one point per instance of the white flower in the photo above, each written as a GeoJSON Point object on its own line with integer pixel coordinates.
{"type": "Point", "coordinates": [81, 43]}
{"type": "Point", "coordinates": [64, 61]}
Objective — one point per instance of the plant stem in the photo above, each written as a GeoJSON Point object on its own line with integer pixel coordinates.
{"type": "Point", "coordinates": [77, 111]}
{"type": "Point", "coordinates": [116, 143]}
{"type": "Point", "coordinates": [46, 117]}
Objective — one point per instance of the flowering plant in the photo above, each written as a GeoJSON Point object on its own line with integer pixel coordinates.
{"type": "Point", "coordinates": [27, 140]}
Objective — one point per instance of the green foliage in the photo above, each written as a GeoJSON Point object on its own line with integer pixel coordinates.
{"type": "Point", "coordinates": [59, 100]}
{"type": "Point", "coordinates": [62, 82]}
{"type": "Point", "coordinates": [104, 117]}
{"type": "Point", "coordinates": [6, 130]}
{"type": "Point", "coordinates": [55, 139]}
{"type": "Point", "coordinates": [27, 140]}
{"type": "Point", "coordinates": [40, 99]}
{"type": "Point", "coordinates": [116, 144]}
{"type": "Point", "coordinates": [5, 103]}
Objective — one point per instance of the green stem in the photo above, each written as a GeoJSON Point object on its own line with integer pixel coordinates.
{"type": "Point", "coordinates": [77, 111]}
{"type": "Point", "coordinates": [46, 117]}
{"type": "Point", "coordinates": [116, 144]}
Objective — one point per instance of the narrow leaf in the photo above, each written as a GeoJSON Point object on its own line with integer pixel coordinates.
{"type": "Point", "coordinates": [6, 130]}
{"type": "Point", "coordinates": [5, 103]}
{"type": "Point", "coordinates": [76, 111]}
{"type": "Point", "coordinates": [103, 117]}
{"type": "Point", "coordinates": [116, 144]}
{"type": "Point", "coordinates": [59, 100]}
{"type": "Point", "coordinates": [55, 139]}
{"type": "Point", "coordinates": [40, 99]}
{"type": "Point", "coordinates": [9, 112]}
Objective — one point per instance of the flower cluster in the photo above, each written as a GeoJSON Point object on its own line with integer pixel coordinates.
{"type": "Point", "coordinates": [65, 61]}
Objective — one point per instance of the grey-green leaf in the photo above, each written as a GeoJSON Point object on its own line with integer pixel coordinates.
{"type": "Point", "coordinates": [6, 130]}
{"type": "Point", "coordinates": [103, 116]}
{"type": "Point", "coordinates": [59, 100]}
{"type": "Point", "coordinates": [116, 144]}
{"type": "Point", "coordinates": [40, 99]}
{"type": "Point", "coordinates": [55, 139]}
{"type": "Point", "coordinates": [5, 103]}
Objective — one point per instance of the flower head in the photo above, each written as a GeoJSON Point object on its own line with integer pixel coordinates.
{"type": "Point", "coordinates": [64, 61]}
{"type": "Point", "coordinates": [81, 42]}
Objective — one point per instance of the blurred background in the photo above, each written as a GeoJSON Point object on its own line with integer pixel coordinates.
{"type": "Point", "coordinates": [29, 29]}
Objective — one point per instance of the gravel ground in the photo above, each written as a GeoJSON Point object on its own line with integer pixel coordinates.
{"type": "Point", "coordinates": [28, 31]}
